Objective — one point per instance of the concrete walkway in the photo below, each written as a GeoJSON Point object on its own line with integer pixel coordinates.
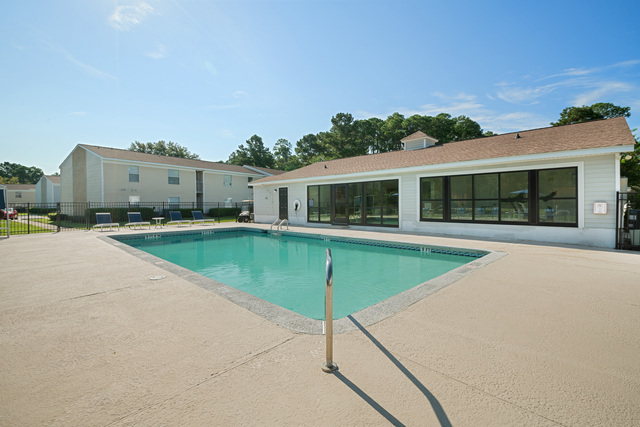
{"type": "Point", "coordinates": [546, 335]}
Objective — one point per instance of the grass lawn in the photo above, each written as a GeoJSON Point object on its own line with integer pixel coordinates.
{"type": "Point", "coordinates": [17, 227]}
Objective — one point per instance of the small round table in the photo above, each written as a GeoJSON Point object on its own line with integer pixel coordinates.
{"type": "Point", "coordinates": [158, 220]}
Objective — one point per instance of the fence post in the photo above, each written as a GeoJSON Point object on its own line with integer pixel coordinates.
{"type": "Point", "coordinates": [28, 218]}
{"type": "Point", "coordinates": [58, 214]}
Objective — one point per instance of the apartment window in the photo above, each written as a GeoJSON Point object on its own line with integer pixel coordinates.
{"type": "Point", "coordinates": [18, 194]}
{"type": "Point", "coordinates": [250, 179]}
{"type": "Point", "coordinates": [134, 174]}
{"type": "Point", "coordinates": [227, 181]}
{"type": "Point", "coordinates": [174, 176]}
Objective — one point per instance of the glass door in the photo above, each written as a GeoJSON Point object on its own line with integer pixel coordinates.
{"type": "Point", "coordinates": [340, 204]}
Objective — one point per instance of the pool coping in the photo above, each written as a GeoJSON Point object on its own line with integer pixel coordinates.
{"type": "Point", "coordinates": [296, 322]}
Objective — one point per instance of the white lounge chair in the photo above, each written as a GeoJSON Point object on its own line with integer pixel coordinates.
{"type": "Point", "coordinates": [135, 220]}
{"type": "Point", "coordinates": [103, 220]}
{"type": "Point", "coordinates": [198, 218]}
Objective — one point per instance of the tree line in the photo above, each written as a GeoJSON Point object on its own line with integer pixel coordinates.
{"type": "Point", "coordinates": [349, 137]}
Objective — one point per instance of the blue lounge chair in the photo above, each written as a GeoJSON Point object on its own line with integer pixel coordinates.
{"type": "Point", "coordinates": [198, 218]}
{"type": "Point", "coordinates": [176, 218]}
{"type": "Point", "coordinates": [104, 220]}
{"type": "Point", "coordinates": [135, 220]}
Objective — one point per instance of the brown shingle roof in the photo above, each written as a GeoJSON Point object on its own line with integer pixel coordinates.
{"type": "Point", "coordinates": [20, 187]}
{"type": "Point", "coordinates": [55, 179]}
{"type": "Point", "coordinates": [597, 134]}
{"type": "Point", "coordinates": [135, 156]}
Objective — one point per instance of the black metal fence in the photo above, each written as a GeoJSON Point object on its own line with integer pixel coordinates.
{"type": "Point", "coordinates": [69, 216]}
{"type": "Point", "coordinates": [628, 221]}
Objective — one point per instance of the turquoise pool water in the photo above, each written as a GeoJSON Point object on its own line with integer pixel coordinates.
{"type": "Point", "coordinates": [289, 270]}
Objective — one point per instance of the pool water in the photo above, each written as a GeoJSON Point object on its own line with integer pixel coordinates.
{"type": "Point", "coordinates": [289, 270]}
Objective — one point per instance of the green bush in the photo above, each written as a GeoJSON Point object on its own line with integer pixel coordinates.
{"type": "Point", "coordinates": [43, 211]}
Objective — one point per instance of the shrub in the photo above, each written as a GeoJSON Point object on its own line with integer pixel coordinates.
{"type": "Point", "coordinates": [219, 212]}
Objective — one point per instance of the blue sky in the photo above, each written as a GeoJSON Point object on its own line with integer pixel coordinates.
{"type": "Point", "coordinates": [209, 74]}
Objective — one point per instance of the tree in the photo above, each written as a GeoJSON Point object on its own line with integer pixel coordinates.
{"type": "Point", "coordinates": [162, 148]}
{"type": "Point", "coordinates": [24, 174]}
{"type": "Point", "coordinates": [598, 111]}
{"type": "Point", "coordinates": [343, 139]}
{"type": "Point", "coordinates": [254, 154]}
{"type": "Point", "coordinates": [630, 164]}
{"type": "Point", "coordinates": [284, 158]}
{"type": "Point", "coordinates": [308, 147]}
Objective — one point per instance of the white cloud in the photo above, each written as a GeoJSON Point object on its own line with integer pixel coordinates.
{"type": "Point", "coordinates": [601, 92]}
{"type": "Point", "coordinates": [159, 52]}
{"type": "Point", "coordinates": [85, 67]}
{"type": "Point", "coordinates": [239, 94]}
{"type": "Point", "coordinates": [124, 18]}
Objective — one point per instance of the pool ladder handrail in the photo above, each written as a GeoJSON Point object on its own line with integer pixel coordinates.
{"type": "Point", "coordinates": [279, 224]}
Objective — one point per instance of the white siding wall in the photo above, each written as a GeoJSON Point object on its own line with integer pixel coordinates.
{"type": "Point", "coordinates": [596, 182]}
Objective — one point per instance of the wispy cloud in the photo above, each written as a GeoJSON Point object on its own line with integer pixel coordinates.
{"type": "Point", "coordinates": [158, 53]}
{"type": "Point", "coordinates": [124, 18]}
{"type": "Point", "coordinates": [601, 91]}
{"type": "Point", "coordinates": [85, 67]}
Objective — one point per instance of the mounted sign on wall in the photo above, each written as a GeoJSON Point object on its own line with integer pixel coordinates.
{"type": "Point", "coordinates": [600, 208]}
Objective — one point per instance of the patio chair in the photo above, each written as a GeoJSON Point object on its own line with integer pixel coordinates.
{"type": "Point", "coordinates": [198, 218]}
{"type": "Point", "coordinates": [176, 218]}
{"type": "Point", "coordinates": [135, 220]}
{"type": "Point", "coordinates": [103, 220]}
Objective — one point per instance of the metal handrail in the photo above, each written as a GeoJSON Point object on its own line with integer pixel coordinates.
{"type": "Point", "coordinates": [274, 223]}
{"type": "Point", "coordinates": [282, 222]}
{"type": "Point", "coordinates": [329, 365]}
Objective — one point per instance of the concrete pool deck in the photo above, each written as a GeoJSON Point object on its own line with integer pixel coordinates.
{"type": "Point", "coordinates": [547, 335]}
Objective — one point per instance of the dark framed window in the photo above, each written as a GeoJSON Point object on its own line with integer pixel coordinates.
{"type": "Point", "coordinates": [432, 198]}
{"type": "Point", "coordinates": [319, 203]}
{"type": "Point", "coordinates": [558, 196]}
{"type": "Point", "coordinates": [535, 197]}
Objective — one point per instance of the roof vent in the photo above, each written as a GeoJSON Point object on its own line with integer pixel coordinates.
{"type": "Point", "coordinates": [517, 136]}
{"type": "Point", "coordinates": [417, 140]}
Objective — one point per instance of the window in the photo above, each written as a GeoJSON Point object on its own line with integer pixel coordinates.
{"type": "Point", "coordinates": [18, 194]}
{"type": "Point", "coordinates": [506, 197]}
{"type": "Point", "coordinates": [134, 174]}
{"type": "Point", "coordinates": [227, 181]}
{"type": "Point", "coordinates": [174, 176]}
{"type": "Point", "coordinates": [514, 197]}
{"type": "Point", "coordinates": [557, 199]}
{"type": "Point", "coordinates": [432, 198]}
{"type": "Point", "coordinates": [250, 179]}
{"type": "Point", "coordinates": [319, 203]}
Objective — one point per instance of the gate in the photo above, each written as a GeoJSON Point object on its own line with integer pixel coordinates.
{"type": "Point", "coordinates": [628, 221]}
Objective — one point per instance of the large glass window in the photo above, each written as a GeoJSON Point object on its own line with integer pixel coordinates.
{"type": "Point", "coordinates": [319, 203]}
{"type": "Point", "coordinates": [432, 198]}
{"type": "Point", "coordinates": [557, 200]}
{"type": "Point", "coordinates": [461, 198]}
{"type": "Point", "coordinates": [389, 207]}
{"type": "Point", "coordinates": [514, 196]}
{"type": "Point", "coordinates": [373, 214]}
{"type": "Point", "coordinates": [355, 203]}
{"type": "Point", "coordinates": [485, 196]}
{"type": "Point", "coordinates": [174, 176]}
{"type": "Point", "coordinates": [543, 197]}
{"type": "Point", "coordinates": [134, 174]}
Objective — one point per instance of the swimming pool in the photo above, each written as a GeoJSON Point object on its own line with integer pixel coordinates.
{"type": "Point", "coordinates": [288, 270]}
